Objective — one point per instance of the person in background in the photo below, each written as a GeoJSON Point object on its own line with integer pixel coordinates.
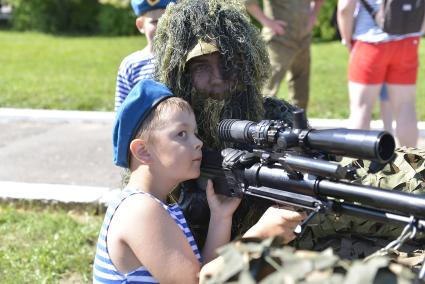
{"type": "Point", "coordinates": [140, 64]}
{"type": "Point", "coordinates": [378, 58]}
{"type": "Point", "coordinates": [287, 27]}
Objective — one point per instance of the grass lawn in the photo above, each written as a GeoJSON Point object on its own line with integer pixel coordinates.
{"type": "Point", "coordinates": [51, 72]}
{"type": "Point", "coordinates": [46, 244]}
{"type": "Point", "coordinates": [54, 72]}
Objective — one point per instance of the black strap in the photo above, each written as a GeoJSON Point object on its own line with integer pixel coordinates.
{"type": "Point", "coordinates": [369, 8]}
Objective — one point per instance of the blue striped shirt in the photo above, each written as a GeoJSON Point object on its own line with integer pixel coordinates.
{"type": "Point", "coordinates": [104, 270]}
{"type": "Point", "coordinates": [135, 67]}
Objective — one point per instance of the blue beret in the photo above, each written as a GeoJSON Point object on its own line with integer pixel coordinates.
{"type": "Point", "coordinates": [142, 99]}
{"type": "Point", "coordinates": [142, 6]}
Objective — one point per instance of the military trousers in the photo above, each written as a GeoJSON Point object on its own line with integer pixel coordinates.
{"type": "Point", "coordinates": [292, 61]}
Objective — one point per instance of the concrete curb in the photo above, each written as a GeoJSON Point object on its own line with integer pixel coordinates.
{"type": "Point", "coordinates": [60, 193]}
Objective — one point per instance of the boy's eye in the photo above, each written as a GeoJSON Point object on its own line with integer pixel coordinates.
{"type": "Point", "coordinates": [182, 134]}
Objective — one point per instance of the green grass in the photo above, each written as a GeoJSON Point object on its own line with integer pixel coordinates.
{"type": "Point", "coordinates": [53, 72]}
{"type": "Point", "coordinates": [46, 244]}
{"type": "Point", "coordinates": [50, 72]}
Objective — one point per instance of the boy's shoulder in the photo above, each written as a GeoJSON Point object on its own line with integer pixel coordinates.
{"type": "Point", "coordinates": [136, 58]}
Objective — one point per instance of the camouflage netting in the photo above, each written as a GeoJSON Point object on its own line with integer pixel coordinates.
{"type": "Point", "coordinates": [267, 262]}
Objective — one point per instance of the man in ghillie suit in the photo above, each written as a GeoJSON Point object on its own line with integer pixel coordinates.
{"type": "Point", "coordinates": [209, 54]}
{"type": "Point", "coordinates": [198, 37]}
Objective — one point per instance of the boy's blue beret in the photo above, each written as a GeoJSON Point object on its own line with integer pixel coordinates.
{"type": "Point", "coordinates": [142, 6]}
{"type": "Point", "coordinates": [141, 100]}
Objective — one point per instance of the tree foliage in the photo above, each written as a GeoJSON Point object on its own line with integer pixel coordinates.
{"type": "Point", "coordinates": [111, 17]}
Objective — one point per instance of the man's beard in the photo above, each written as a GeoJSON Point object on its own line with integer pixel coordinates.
{"type": "Point", "coordinates": [209, 111]}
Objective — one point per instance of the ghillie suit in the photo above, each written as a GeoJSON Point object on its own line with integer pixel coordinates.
{"type": "Point", "coordinates": [225, 25]}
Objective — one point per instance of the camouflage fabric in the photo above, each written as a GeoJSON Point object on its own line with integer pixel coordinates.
{"type": "Point", "coordinates": [353, 237]}
{"type": "Point", "coordinates": [268, 262]}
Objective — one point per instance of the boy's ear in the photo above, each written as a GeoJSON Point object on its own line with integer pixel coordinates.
{"type": "Point", "coordinates": [139, 24]}
{"type": "Point", "coordinates": [140, 152]}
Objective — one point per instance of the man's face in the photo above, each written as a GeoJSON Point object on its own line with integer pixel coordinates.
{"type": "Point", "coordinates": [209, 76]}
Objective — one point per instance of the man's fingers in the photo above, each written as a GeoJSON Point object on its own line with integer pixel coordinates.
{"type": "Point", "coordinates": [290, 215]}
{"type": "Point", "coordinates": [282, 23]}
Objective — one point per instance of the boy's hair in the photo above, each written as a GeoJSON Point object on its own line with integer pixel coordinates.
{"type": "Point", "coordinates": [141, 7]}
{"type": "Point", "coordinates": [155, 118]}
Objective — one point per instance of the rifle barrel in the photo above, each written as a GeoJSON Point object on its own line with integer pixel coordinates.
{"type": "Point", "coordinates": [373, 197]}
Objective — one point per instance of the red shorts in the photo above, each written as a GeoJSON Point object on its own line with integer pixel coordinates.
{"type": "Point", "coordinates": [394, 62]}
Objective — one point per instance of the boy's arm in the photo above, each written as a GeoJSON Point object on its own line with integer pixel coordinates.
{"type": "Point", "coordinates": [276, 26]}
{"type": "Point", "coordinates": [345, 19]}
{"type": "Point", "coordinates": [219, 229]}
{"type": "Point", "coordinates": [142, 226]}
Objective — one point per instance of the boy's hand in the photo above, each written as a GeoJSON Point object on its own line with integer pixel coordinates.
{"type": "Point", "coordinates": [276, 221]}
{"type": "Point", "coordinates": [220, 205]}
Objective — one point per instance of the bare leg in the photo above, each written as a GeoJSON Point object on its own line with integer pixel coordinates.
{"type": "Point", "coordinates": [385, 109]}
{"type": "Point", "coordinates": [403, 102]}
{"type": "Point", "coordinates": [386, 115]}
{"type": "Point", "coordinates": [362, 100]}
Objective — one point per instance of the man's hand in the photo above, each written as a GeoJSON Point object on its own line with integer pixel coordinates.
{"type": "Point", "coordinates": [276, 222]}
{"type": "Point", "coordinates": [276, 26]}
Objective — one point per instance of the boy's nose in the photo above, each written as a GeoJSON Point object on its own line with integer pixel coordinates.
{"type": "Point", "coordinates": [198, 143]}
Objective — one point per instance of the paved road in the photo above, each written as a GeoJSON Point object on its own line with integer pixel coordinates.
{"type": "Point", "coordinates": [71, 153]}
{"type": "Point", "coordinates": [72, 148]}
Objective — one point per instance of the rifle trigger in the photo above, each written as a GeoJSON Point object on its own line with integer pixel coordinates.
{"type": "Point", "coordinates": [299, 229]}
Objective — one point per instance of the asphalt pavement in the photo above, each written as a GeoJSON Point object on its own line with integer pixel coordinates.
{"type": "Point", "coordinates": [69, 151]}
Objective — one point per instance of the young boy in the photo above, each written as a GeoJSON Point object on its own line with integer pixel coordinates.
{"type": "Point", "coordinates": [142, 238]}
{"type": "Point", "coordinates": [140, 64]}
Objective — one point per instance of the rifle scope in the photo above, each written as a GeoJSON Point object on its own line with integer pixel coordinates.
{"type": "Point", "coordinates": [273, 134]}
